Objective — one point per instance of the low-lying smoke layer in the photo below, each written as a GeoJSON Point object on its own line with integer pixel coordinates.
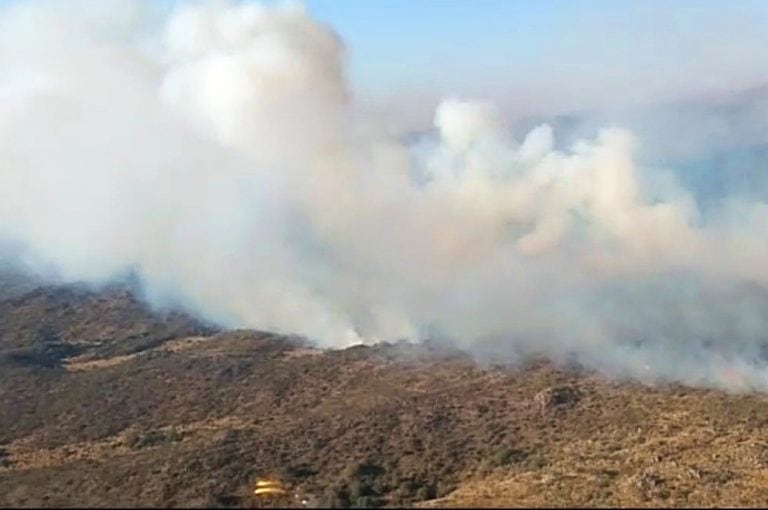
{"type": "Point", "coordinates": [215, 153]}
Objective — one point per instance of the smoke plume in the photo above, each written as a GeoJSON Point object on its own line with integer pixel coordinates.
{"type": "Point", "coordinates": [215, 152]}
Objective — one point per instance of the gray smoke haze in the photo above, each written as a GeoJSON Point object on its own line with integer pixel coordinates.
{"type": "Point", "coordinates": [216, 153]}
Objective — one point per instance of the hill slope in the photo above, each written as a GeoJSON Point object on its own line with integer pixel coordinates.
{"type": "Point", "coordinates": [103, 402]}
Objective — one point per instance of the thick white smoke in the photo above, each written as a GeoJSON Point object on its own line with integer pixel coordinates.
{"type": "Point", "coordinates": [216, 154]}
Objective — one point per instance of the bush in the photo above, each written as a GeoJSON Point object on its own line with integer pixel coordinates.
{"type": "Point", "coordinates": [138, 440]}
{"type": "Point", "coordinates": [425, 493]}
{"type": "Point", "coordinates": [5, 460]}
{"type": "Point", "coordinates": [507, 456]}
{"type": "Point", "coordinates": [214, 501]}
{"type": "Point", "coordinates": [367, 502]}
{"type": "Point", "coordinates": [335, 497]}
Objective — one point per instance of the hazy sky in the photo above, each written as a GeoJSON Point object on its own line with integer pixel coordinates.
{"type": "Point", "coordinates": [544, 56]}
{"type": "Point", "coordinates": [564, 54]}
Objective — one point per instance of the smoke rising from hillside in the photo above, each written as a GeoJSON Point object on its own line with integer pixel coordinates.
{"type": "Point", "coordinates": [216, 154]}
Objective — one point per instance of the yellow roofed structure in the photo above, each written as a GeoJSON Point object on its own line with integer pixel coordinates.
{"type": "Point", "coordinates": [265, 487]}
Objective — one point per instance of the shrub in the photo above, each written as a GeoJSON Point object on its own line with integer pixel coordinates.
{"type": "Point", "coordinates": [367, 502]}
{"type": "Point", "coordinates": [138, 440]}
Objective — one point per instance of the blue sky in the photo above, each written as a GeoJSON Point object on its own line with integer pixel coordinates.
{"type": "Point", "coordinates": [547, 56]}
{"type": "Point", "coordinates": [571, 53]}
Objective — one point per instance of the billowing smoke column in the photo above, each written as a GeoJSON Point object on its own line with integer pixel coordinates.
{"type": "Point", "coordinates": [215, 153]}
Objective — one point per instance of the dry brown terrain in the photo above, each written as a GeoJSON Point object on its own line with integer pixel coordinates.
{"type": "Point", "coordinates": [104, 403]}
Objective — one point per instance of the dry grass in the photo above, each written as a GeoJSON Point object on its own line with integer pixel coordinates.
{"type": "Point", "coordinates": [681, 457]}
{"type": "Point", "coordinates": [21, 455]}
{"type": "Point", "coordinates": [86, 362]}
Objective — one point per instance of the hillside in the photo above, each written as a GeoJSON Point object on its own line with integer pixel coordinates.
{"type": "Point", "coordinates": [104, 402]}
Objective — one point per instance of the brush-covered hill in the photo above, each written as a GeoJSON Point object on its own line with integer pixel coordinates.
{"type": "Point", "coordinates": [104, 402]}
